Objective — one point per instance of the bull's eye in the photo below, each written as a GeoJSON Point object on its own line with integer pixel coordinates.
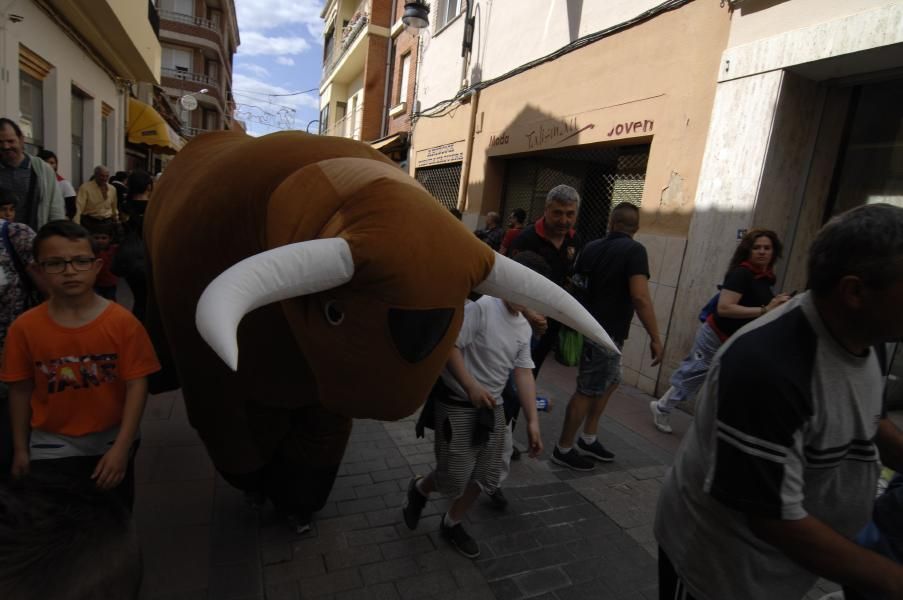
{"type": "Point", "coordinates": [334, 313]}
{"type": "Point", "coordinates": [416, 333]}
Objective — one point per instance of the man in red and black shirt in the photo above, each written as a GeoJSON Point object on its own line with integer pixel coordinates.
{"type": "Point", "coordinates": [553, 238]}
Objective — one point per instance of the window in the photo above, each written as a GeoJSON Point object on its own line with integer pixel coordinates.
{"type": "Point", "coordinates": [446, 11]}
{"type": "Point", "coordinates": [183, 7]}
{"type": "Point", "coordinates": [211, 68]}
{"type": "Point", "coordinates": [31, 112]}
{"type": "Point", "coordinates": [78, 138]}
{"type": "Point", "coordinates": [177, 59]}
{"type": "Point", "coordinates": [216, 17]}
{"type": "Point", "coordinates": [405, 78]}
{"type": "Point", "coordinates": [211, 120]}
{"type": "Point", "coordinates": [324, 120]}
{"type": "Point", "coordinates": [328, 45]}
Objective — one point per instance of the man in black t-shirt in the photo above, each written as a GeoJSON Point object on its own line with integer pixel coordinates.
{"type": "Point", "coordinates": [617, 270]}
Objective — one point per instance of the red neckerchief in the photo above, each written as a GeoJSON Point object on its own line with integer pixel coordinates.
{"type": "Point", "coordinates": [540, 227]}
{"type": "Point", "coordinates": [59, 177]}
{"type": "Point", "coordinates": [759, 273]}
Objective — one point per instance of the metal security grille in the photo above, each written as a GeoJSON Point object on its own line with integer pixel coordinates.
{"type": "Point", "coordinates": [604, 176]}
{"type": "Point", "coordinates": [442, 182]}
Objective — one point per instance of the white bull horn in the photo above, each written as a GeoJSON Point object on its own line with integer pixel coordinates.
{"type": "Point", "coordinates": [272, 276]}
{"type": "Point", "coordinates": [516, 283]}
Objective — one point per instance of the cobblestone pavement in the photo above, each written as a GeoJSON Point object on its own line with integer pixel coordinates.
{"type": "Point", "coordinates": [564, 535]}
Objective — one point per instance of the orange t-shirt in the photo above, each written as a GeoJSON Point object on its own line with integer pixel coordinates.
{"type": "Point", "coordinates": [79, 373]}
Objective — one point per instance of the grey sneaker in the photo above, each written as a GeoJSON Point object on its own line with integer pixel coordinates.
{"type": "Point", "coordinates": [300, 522]}
{"type": "Point", "coordinates": [595, 450]}
{"type": "Point", "coordinates": [659, 418]}
{"type": "Point", "coordinates": [460, 539]}
{"type": "Point", "coordinates": [572, 460]}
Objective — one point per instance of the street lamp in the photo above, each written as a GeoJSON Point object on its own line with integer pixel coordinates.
{"type": "Point", "coordinates": [416, 16]}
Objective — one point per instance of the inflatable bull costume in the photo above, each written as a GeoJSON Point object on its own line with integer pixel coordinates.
{"type": "Point", "coordinates": [301, 281]}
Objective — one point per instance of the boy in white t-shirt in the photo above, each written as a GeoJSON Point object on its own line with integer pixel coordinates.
{"type": "Point", "coordinates": [469, 417]}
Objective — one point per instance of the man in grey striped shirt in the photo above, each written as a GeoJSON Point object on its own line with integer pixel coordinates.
{"type": "Point", "coordinates": [778, 471]}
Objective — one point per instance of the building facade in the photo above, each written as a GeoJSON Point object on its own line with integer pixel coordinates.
{"type": "Point", "coordinates": [807, 123]}
{"type": "Point", "coordinates": [67, 69]}
{"type": "Point", "coordinates": [356, 44]}
{"type": "Point", "coordinates": [613, 98]}
{"type": "Point", "coordinates": [199, 39]}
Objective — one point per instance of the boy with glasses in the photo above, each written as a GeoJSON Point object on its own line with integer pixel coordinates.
{"type": "Point", "coordinates": [77, 368]}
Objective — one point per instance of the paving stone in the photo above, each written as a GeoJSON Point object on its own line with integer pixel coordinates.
{"type": "Point", "coordinates": [505, 589]}
{"type": "Point", "coordinates": [388, 570]}
{"type": "Point", "coordinates": [342, 524]}
{"type": "Point", "coordinates": [366, 466]}
{"type": "Point", "coordinates": [319, 544]}
{"type": "Point", "coordinates": [469, 577]}
{"type": "Point", "coordinates": [517, 542]}
{"type": "Point", "coordinates": [403, 472]}
{"type": "Point", "coordinates": [352, 557]}
{"type": "Point", "coordinates": [361, 506]}
{"type": "Point", "coordinates": [298, 568]}
{"type": "Point", "coordinates": [350, 481]}
{"type": "Point", "coordinates": [505, 566]}
{"type": "Point", "coordinates": [376, 535]}
{"type": "Point", "coordinates": [426, 585]}
{"type": "Point", "coordinates": [341, 494]}
{"type": "Point", "coordinates": [386, 516]}
{"type": "Point", "coordinates": [330, 584]}
{"type": "Point", "coordinates": [542, 580]}
{"type": "Point", "coordinates": [407, 547]}
{"type": "Point", "coordinates": [376, 489]}
{"type": "Point", "coordinates": [235, 581]}
{"type": "Point", "coordinates": [443, 558]}
{"type": "Point", "coordinates": [547, 556]}
{"type": "Point", "coordinates": [271, 554]}
{"type": "Point", "coordinates": [233, 546]}
{"type": "Point", "coordinates": [382, 591]}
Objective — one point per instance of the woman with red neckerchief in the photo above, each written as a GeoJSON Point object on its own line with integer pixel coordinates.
{"type": "Point", "coordinates": [746, 295]}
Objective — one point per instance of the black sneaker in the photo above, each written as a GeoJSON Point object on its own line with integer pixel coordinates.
{"type": "Point", "coordinates": [572, 460]}
{"type": "Point", "coordinates": [413, 504]}
{"type": "Point", "coordinates": [300, 522]}
{"type": "Point", "coordinates": [515, 453]}
{"type": "Point", "coordinates": [595, 450]}
{"type": "Point", "coordinates": [498, 500]}
{"type": "Point", "coordinates": [460, 539]}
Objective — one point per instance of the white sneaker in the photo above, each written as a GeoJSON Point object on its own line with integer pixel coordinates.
{"type": "Point", "coordinates": [659, 418]}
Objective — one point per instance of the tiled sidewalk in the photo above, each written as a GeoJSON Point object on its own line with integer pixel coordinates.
{"type": "Point", "coordinates": [565, 535]}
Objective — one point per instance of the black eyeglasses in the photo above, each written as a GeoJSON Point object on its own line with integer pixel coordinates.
{"type": "Point", "coordinates": [55, 266]}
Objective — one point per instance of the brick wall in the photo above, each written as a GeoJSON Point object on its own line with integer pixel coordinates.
{"type": "Point", "coordinates": [404, 43]}
{"type": "Point", "coordinates": [374, 89]}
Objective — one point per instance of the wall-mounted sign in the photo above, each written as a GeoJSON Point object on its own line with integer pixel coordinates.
{"type": "Point", "coordinates": [631, 128]}
{"type": "Point", "coordinates": [440, 155]}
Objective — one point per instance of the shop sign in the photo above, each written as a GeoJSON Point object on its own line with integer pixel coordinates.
{"type": "Point", "coordinates": [629, 127]}
{"type": "Point", "coordinates": [440, 155]}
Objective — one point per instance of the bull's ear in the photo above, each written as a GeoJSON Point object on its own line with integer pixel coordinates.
{"type": "Point", "coordinates": [516, 283]}
{"type": "Point", "coordinates": [272, 276]}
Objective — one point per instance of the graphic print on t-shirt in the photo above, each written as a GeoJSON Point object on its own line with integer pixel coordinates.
{"type": "Point", "coordinates": [79, 372]}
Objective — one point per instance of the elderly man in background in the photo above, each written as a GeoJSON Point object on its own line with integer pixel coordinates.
{"type": "Point", "coordinates": [29, 179]}
{"type": "Point", "coordinates": [97, 200]}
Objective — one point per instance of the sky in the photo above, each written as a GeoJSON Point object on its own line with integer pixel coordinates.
{"type": "Point", "coordinates": [281, 52]}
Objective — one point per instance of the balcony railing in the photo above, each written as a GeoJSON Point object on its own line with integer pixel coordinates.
{"type": "Point", "coordinates": [170, 15]}
{"type": "Point", "coordinates": [189, 76]}
{"type": "Point", "coordinates": [350, 33]}
{"type": "Point", "coordinates": [190, 132]}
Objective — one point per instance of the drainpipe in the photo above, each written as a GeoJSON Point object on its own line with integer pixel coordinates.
{"type": "Point", "coordinates": [390, 60]}
{"type": "Point", "coordinates": [465, 170]}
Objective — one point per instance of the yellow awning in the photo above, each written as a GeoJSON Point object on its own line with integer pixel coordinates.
{"type": "Point", "coordinates": [146, 126]}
